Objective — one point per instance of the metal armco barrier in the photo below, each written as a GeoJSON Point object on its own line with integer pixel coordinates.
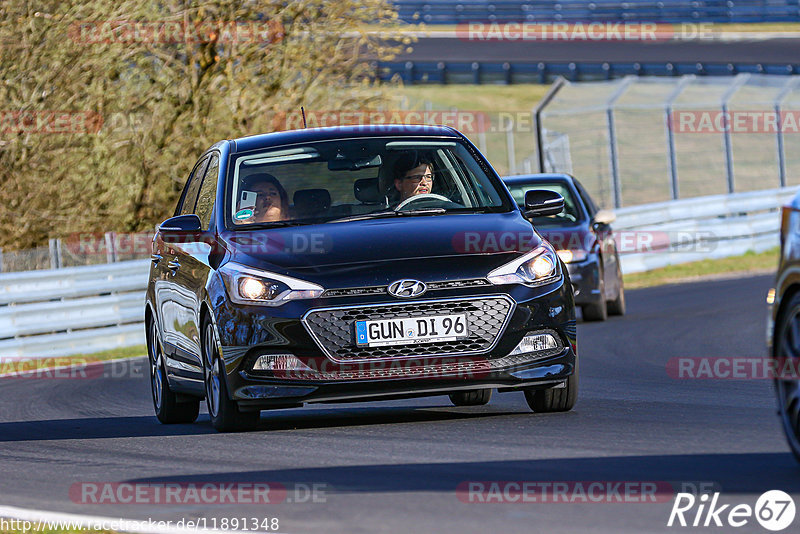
{"type": "Point", "coordinates": [75, 310]}
{"type": "Point", "coordinates": [459, 11]}
{"type": "Point", "coordinates": [652, 236]}
{"type": "Point", "coordinates": [59, 312]}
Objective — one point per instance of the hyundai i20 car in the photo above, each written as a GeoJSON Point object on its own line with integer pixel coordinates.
{"type": "Point", "coordinates": [354, 264]}
{"type": "Point", "coordinates": [583, 238]}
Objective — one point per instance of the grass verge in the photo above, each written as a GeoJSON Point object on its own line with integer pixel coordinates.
{"type": "Point", "coordinates": [36, 366]}
{"type": "Point", "coordinates": [750, 262]}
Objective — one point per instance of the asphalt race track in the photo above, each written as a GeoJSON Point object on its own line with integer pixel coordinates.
{"type": "Point", "coordinates": [395, 466]}
{"type": "Point", "coordinates": [779, 50]}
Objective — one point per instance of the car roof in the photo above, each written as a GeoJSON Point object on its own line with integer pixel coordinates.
{"type": "Point", "coordinates": [291, 137]}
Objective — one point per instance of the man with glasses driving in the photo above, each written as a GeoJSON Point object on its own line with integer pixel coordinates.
{"type": "Point", "coordinates": [413, 175]}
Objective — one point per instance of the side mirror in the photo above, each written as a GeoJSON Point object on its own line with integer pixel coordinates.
{"type": "Point", "coordinates": [604, 217]}
{"type": "Point", "coordinates": [541, 202]}
{"type": "Point", "coordinates": [180, 229]}
{"type": "Point", "coordinates": [181, 223]}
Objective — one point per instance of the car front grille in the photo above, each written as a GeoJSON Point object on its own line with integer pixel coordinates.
{"type": "Point", "coordinates": [332, 328]}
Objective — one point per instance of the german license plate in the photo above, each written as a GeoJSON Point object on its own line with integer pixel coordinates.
{"type": "Point", "coordinates": [411, 330]}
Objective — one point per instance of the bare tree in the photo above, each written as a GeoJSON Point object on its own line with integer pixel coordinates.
{"type": "Point", "coordinates": [148, 85]}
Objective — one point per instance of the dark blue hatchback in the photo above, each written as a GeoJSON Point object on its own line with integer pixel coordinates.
{"type": "Point", "coordinates": [358, 263]}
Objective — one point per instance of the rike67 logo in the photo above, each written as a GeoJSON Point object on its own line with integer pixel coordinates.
{"type": "Point", "coordinates": [774, 510]}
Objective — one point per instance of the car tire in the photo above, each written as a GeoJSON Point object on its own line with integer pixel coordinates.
{"type": "Point", "coordinates": [224, 412]}
{"type": "Point", "coordinates": [169, 409]}
{"type": "Point", "coordinates": [617, 306]}
{"type": "Point", "coordinates": [554, 399]}
{"type": "Point", "coordinates": [786, 344]}
{"type": "Point", "coordinates": [477, 397]}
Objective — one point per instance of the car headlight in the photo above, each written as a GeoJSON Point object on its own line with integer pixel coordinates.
{"type": "Point", "coordinates": [572, 255]}
{"type": "Point", "coordinates": [246, 285]}
{"type": "Point", "coordinates": [539, 266]}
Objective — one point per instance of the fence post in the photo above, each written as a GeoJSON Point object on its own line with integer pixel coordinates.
{"type": "Point", "coordinates": [111, 253]}
{"type": "Point", "coordinates": [409, 68]}
{"type": "Point", "coordinates": [55, 253]}
{"type": "Point", "coordinates": [1, 259]}
{"type": "Point", "coordinates": [740, 80]}
{"type": "Point", "coordinates": [537, 118]}
{"type": "Point", "coordinates": [512, 151]}
{"type": "Point", "coordinates": [613, 157]}
{"type": "Point", "coordinates": [788, 88]}
{"type": "Point", "coordinates": [441, 68]}
{"type": "Point", "coordinates": [672, 158]}
{"type": "Point", "coordinates": [476, 73]}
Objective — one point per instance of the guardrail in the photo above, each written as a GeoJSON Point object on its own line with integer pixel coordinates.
{"type": "Point", "coordinates": [504, 72]}
{"type": "Point", "coordinates": [74, 310]}
{"type": "Point", "coordinates": [710, 227]}
{"type": "Point", "coordinates": [58, 312]}
{"type": "Point", "coordinates": [458, 11]}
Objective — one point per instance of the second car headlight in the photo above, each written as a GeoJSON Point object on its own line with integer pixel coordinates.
{"type": "Point", "coordinates": [539, 266]}
{"type": "Point", "coordinates": [246, 285]}
{"type": "Point", "coordinates": [572, 255]}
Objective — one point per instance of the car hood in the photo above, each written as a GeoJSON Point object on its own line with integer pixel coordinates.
{"type": "Point", "coordinates": [453, 246]}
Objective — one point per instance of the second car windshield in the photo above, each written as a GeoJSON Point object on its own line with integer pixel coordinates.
{"type": "Point", "coordinates": [358, 178]}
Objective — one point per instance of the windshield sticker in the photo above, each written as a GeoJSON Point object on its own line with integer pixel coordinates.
{"type": "Point", "coordinates": [241, 215]}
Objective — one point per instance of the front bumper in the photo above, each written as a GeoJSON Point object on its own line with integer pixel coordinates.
{"type": "Point", "coordinates": [585, 279]}
{"type": "Point", "coordinates": [248, 332]}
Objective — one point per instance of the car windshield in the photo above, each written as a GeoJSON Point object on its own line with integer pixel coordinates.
{"type": "Point", "coordinates": [343, 180]}
{"type": "Point", "coordinates": [571, 213]}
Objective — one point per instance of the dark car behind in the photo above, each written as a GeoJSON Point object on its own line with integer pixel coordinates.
{"type": "Point", "coordinates": [583, 236]}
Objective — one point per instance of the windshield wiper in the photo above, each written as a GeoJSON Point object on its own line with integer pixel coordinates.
{"type": "Point", "coordinates": [423, 211]}
{"type": "Point", "coordinates": [390, 213]}
{"type": "Point", "coordinates": [272, 224]}
{"type": "Point", "coordinates": [365, 216]}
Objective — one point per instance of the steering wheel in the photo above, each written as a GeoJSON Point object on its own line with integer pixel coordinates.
{"type": "Point", "coordinates": [423, 196]}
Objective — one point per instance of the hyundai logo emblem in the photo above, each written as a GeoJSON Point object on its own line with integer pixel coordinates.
{"type": "Point", "coordinates": [406, 289]}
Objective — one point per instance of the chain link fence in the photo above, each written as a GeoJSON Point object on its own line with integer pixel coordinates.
{"type": "Point", "coordinates": [639, 140]}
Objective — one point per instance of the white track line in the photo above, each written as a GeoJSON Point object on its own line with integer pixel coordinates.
{"type": "Point", "coordinates": [90, 522]}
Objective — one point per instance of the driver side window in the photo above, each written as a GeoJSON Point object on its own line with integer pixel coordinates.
{"type": "Point", "coordinates": [192, 188]}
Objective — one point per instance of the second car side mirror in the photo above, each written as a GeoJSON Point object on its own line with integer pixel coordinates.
{"type": "Point", "coordinates": [542, 202]}
{"type": "Point", "coordinates": [604, 217]}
